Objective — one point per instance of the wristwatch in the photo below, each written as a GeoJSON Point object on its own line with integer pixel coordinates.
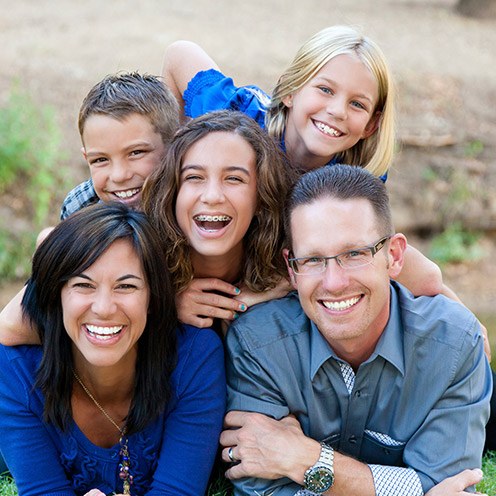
{"type": "Point", "coordinates": [320, 477]}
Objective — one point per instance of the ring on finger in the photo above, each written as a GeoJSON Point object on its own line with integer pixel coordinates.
{"type": "Point", "coordinates": [230, 455]}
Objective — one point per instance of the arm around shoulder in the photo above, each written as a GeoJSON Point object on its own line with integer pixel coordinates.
{"type": "Point", "coordinates": [182, 60]}
{"type": "Point", "coordinates": [419, 274]}
{"type": "Point", "coordinates": [15, 329]}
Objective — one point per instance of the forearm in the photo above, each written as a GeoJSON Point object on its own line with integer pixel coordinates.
{"type": "Point", "coordinates": [351, 477]}
{"type": "Point", "coordinates": [14, 328]}
{"type": "Point", "coordinates": [182, 60]}
{"type": "Point", "coordinates": [419, 274]}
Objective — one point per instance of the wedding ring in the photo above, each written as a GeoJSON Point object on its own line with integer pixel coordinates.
{"type": "Point", "coordinates": [230, 455]}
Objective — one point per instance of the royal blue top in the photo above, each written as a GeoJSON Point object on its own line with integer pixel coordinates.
{"type": "Point", "coordinates": [173, 455]}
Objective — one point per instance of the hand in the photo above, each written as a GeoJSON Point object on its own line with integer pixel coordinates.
{"type": "Point", "coordinates": [251, 298]}
{"type": "Point", "coordinates": [198, 305]}
{"type": "Point", "coordinates": [267, 448]}
{"type": "Point", "coordinates": [456, 485]}
{"type": "Point", "coordinates": [97, 492]}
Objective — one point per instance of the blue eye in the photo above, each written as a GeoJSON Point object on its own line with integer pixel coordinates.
{"type": "Point", "coordinates": [325, 90]}
{"type": "Point", "coordinates": [356, 254]}
{"type": "Point", "coordinates": [311, 261]}
{"type": "Point", "coordinates": [359, 105]}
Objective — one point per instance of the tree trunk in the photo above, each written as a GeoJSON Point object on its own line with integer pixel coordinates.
{"type": "Point", "coordinates": [477, 8]}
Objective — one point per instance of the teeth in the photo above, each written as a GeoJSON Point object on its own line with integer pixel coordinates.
{"type": "Point", "coordinates": [126, 194]}
{"type": "Point", "coordinates": [103, 331]}
{"type": "Point", "coordinates": [212, 218]}
{"type": "Point", "coordinates": [340, 305]}
{"type": "Point", "coordinates": [328, 129]}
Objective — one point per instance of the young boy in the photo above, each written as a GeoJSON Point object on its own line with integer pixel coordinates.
{"type": "Point", "coordinates": [125, 122]}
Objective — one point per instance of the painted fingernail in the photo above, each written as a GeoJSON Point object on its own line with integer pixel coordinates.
{"type": "Point", "coordinates": [242, 307]}
{"type": "Point", "coordinates": [237, 290]}
{"type": "Point", "coordinates": [235, 315]}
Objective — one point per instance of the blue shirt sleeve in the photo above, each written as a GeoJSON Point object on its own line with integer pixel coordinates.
{"type": "Point", "coordinates": [189, 436]}
{"type": "Point", "coordinates": [25, 441]}
{"type": "Point", "coordinates": [211, 90]}
{"type": "Point", "coordinates": [193, 427]}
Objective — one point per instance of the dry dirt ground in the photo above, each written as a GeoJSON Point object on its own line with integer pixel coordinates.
{"type": "Point", "coordinates": [445, 66]}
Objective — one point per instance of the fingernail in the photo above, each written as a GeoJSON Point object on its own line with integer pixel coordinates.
{"type": "Point", "coordinates": [242, 307]}
{"type": "Point", "coordinates": [235, 315]}
{"type": "Point", "coordinates": [237, 290]}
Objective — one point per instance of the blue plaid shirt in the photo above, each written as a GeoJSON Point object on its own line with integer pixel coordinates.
{"type": "Point", "coordinates": [81, 196]}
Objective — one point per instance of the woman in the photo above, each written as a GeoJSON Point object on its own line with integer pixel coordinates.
{"type": "Point", "coordinates": [217, 200]}
{"type": "Point", "coordinates": [118, 399]}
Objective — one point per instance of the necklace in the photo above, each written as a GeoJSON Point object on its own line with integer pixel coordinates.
{"type": "Point", "coordinates": [124, 464]}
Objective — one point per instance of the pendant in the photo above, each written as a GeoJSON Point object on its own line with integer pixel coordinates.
{"type": "Point", "coordinates": [124, 475]}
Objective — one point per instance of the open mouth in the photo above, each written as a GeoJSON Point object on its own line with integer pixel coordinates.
{"type": "Point", "coordinates": [126, 194]}
{"type": "Point", "coordinates": [103, 333]}
{"type": "Point", "coordinates": [326, 129]}
{"type": "Point", "coordinates": [342, 305]}
{"type": "Point", "coordinates": [212, 222]}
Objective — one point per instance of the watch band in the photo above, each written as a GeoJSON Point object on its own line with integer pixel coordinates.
{"type": "Point", "coordinates": [326, 456]}
{"type": "Point", "coordinates": [320, 476]}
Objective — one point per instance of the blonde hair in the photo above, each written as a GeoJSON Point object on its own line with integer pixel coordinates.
{"type": "Point", "coordinates": [262, 265]}
{"type": "Point", "coordinates": [374, 153]}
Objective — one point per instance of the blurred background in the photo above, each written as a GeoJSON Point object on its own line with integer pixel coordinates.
{"type": "Point", "coordinates": [443, 184]}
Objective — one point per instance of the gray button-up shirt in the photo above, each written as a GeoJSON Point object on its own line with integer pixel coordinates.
{"type": "Point", "coordinates": [426, 387]}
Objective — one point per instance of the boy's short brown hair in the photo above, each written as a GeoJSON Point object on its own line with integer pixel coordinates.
{"type": "Point", "coordinates": [119, 95]}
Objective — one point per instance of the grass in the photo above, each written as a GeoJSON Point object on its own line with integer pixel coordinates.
{"type": "Point", "coordinates": [222, 487]}
{"type": "Point", "coordinates": [488, 485]}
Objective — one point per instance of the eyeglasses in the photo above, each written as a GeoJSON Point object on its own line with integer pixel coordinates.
{"type": "Point", "coordinates": [351, 259]}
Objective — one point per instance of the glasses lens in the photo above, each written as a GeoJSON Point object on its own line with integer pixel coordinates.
{"type": "Point", "coordinates": [355, 258]}
{"type": "Point", "coordinates": [313, 265]}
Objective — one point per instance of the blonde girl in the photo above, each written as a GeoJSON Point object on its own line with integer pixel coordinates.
{"type": "Point", "coordinates": [334, 103]}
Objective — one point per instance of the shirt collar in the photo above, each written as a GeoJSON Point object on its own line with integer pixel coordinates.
{"type": "Point", "coordinates": [389, 346]}
{"type": "Point", "coordinates": [320, 350]}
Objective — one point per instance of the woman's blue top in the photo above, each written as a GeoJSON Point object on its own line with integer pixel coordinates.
{"type": "Point", "coordinates": [173, 455]}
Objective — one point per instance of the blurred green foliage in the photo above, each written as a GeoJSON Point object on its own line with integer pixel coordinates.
{"type": "Point", "coordinates": [30, 173]}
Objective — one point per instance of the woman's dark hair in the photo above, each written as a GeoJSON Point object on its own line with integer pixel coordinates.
{"type": "Point", "coordinates": [73, 246]}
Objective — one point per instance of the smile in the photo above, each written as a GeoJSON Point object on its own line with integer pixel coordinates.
{"type": "Point", "coordinates": [339, 306]}
{"type": "Point", "coordinates": [326, 129]}
{"type": "Point", "coordinates": [103, 333]}
{"type": "Point", "coordinates": [212, 222]}
{"type": "Point", "coordinates": [128, 193]}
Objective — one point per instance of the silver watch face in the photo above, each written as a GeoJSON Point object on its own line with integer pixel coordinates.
{"type": "Point", "coordinates": [318, 479]}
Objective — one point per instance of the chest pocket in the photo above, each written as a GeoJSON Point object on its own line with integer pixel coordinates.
{"type": "Point", "coordinates": [381, 449]}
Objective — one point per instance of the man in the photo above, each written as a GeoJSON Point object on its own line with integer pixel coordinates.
{"type": "Point", "coordinates": [365, 389]}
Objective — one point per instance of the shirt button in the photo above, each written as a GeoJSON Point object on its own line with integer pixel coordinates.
{"type": "Point", "coordinates": [358, 393]}
{"type": "Point", "coordinates": [352, 439]}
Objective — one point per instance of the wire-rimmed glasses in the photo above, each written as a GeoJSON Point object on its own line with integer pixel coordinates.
{"type": "Point", "coordinates": [351, 259]}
